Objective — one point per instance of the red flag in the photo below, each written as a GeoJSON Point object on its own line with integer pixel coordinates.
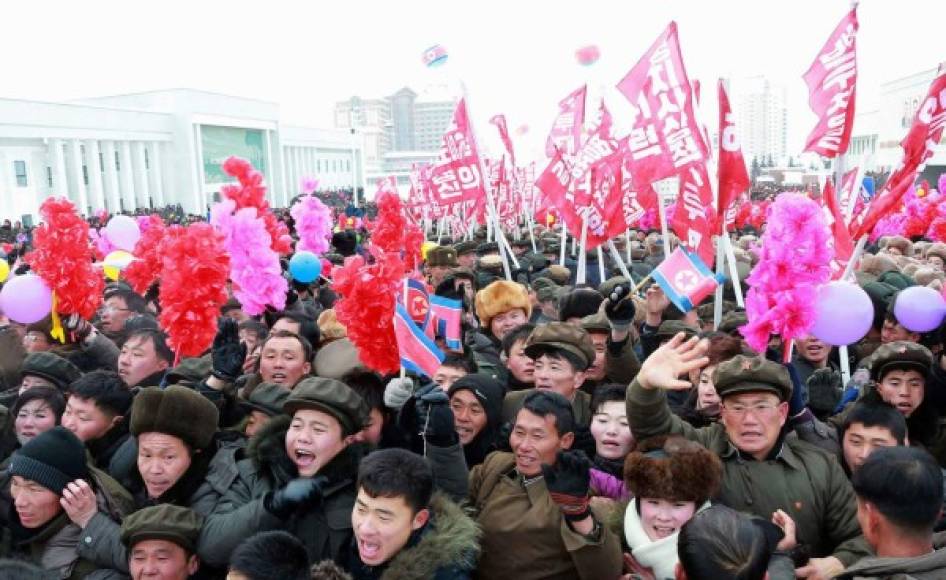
{"type": "Point", "coordinates": [733, 178]}
{"type": "Point", "coordinates": [694, 218]}
{"type": "Point", "coordinates": [843, 246]}
{"type": "Point", "coordinates": [566, 132]}
{"type": "Point", "coordinates": [500, 122]}
{"type": "Point", "coordinates": [848, 193]}
{"type": "Point", "coordinates": [925, 134]}
{"type": "Point", "coordinates": [666, 136]}
{"type": "Point", "coordinates": [832, 79]}
{"type": "Point", "coordinates": [456, 177]}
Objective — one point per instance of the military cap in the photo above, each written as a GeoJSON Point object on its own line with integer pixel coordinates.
{"type": "Point", "coordinates": [464, 248]}
{"type": "Point", "coordinates": [492, 263]}
{"type": "Point", "coordinates": [551, 248]}
{"type": "Point", "coordinates": [670, 328]}
{"type": "Point", "coordinates": [190, 371]}
{"type": "Point", "coordinates": [561, 336]}
{"type": "Point", "coordinates": [597, 322]}
{"type": "Point", "coordinates": [267, 398]}
{"type": "Point", "coordinates": [606, 287]}
{"type": "Point", "coordinates": [52, 367]}
{"type": "Point", "coordinates": [559, 274]}
{"type": "Point", "coordinates": [732, 321]}
{"type": "Point", "coordinates": [541, 282]}
{"type": "Point", "coordinates": [442, 256]}
{"type": "Point", "coordinates": [487, 248]}
{"type": "Point", "coordinates": [900, 355]}
{"type": "Point", "coordinates": [336, 359]}
{"type": "Point", "coordinates": [548, 292]}
{"type": "Point", "coordinates": [332, 397]}
{"type": "Point", "coordinates": [750, 374]}
{"type": "Point", "coordinates": [166, 521]}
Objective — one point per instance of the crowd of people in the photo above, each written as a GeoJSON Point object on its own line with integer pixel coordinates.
{"type": "Point", "coordinates": [590, 431]}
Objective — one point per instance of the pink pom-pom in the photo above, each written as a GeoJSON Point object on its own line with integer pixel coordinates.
{"type": "Point", "coordinates": [314, 223]}
{"type": "Point", "coordinates": [587, 55]}
{"type": "Point", "coordinates": [309, 185]}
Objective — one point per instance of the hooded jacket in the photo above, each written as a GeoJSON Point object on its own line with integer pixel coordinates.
{"type": "Point", "coordinates": [325, 530]}
{"type": "Point", "coordinates": [445, 548]}
{"type": "Point", "coordinates": [490, 395]}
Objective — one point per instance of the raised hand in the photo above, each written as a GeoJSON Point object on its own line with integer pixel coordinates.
{"type": "Point", "coordinates": [675, 358]}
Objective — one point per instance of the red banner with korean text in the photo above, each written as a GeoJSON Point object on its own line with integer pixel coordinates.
{"type": "Point", "coordinates": [843, 245]}
{"type": "Point", "coordinates": [918, 145]}
{"type": "Point", "coordinates": [665, 137]}
{"type": "Point", "coordinates": [456, 177]}
{"type": "Point", "coordinates": [832, 80]}
{"type": "Point", "coordinates": [695, 218]}
{"type": "Point", "coordinates": [500, 122]}
{"type": "Point", "coordinates": [566, 132]}
{"type": "Point", "coordinates": [733, 177]}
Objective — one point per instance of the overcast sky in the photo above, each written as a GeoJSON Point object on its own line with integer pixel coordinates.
{"type": "Point", "coordinates": [515, 57]}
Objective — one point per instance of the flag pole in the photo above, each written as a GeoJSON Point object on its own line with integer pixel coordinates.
{"type": "Point", "coordinates": [621, 265]}
{"type": "Point", "coordinates": [601, 277]}
{"type": "Point", "coordinates": [664, 233]}
{"type": "Point", "coordinates": [582, 255]}
{"type": "Point", "coordinates": [564, 245]}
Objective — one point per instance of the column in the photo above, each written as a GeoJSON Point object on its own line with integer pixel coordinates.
{"type": "Point", "coordinates": [7, 187]}
{"type": "Point", "coordinates": [75, 159]}
{"type": "Point", "coordinates": [125, 176]}
{"type": "Point", "coordinates": [94, 167]}
{"type": "Point", "coordinates": [292, 170]}
{"type": "Point", "coordinates": [57, 159]}
{"type": "Point", "coordinates": [300, 173]}
{"type": "Point", "coordinates": [111, 176]}
{"type": "Point", "coordinates": [311, 159]}
{"type": "Point", "coordinates": [155, 175]}
{"type": "Point", "coordinates": [142, 194]}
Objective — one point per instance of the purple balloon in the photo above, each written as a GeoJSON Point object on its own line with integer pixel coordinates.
{"type": "Point", "coordinates": [26, 299]}
{"type": "Point", "coordinates": [844, 313]}
{"type": "Point", "coordinates": [123, 232]}
{"type": "Point", "coordinates": [919, 309]}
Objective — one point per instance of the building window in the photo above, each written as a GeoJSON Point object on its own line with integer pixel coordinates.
{"type": "Point", "coordinates": [19, 167]}
{"type": "Point", "coordinates": [85, 174]}
{"type": "Point", "coordinates": [147, 160]}
{"type": "Point", "coordinates": [118, 163]}
{"type": "Point", "coordinates": [101, 162]}
{"type": "Point", "coordinates": [49, 176]}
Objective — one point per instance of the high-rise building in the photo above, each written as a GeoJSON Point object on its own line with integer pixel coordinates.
{"type": "Point", "coordinates": [433, 111]}
{"type": "Point", "coordinates": [371, 119]}
{"type": "Point", "coordinates": [761, 119]}
{"type": "Point", "coordinates": [402, 114]}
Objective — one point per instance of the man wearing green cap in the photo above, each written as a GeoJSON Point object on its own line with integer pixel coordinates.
{"type": "Point", "coordinates": [161, 542]}
{"type": "Point", "coordinates": [764, 471]}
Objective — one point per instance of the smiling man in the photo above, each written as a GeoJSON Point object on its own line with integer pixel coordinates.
{"type": "Point", "coordinates": [533, 503]}
{"type": "Point", "coordinates": [764, 471]}
{"type": "Point", "coordinates": [400, 524]}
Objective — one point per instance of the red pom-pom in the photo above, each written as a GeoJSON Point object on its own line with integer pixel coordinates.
{"type": "Point", "coordinates": [392, 232]}
{"type": "Point", "coordinates": [194, 273]}
{"type": "Point", "coordinates": [252, 193]}
{"type": "Point", "coordinates": [142, 272]}
{"type": "Point", "coordinates": [62, 257]}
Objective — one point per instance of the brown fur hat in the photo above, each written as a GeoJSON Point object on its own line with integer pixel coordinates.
{"type": "Point", "coordinates": [937, 249]}
{"type": "Point", "coordinates": [901, 243]}
{"type": "Point", "coordinates": [501, 296]}
{"type": "Point", "coordinates": [178, 411]}
{"type": "Point", "coordinates": [877, 264]}
{"type": "Point", "coordinates": [329, 327]}
{"type": "Point", "coordinates": [673, 468]}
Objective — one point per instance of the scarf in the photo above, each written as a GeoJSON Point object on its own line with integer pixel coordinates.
{"type": "Point", "coordinates": [661, 555]}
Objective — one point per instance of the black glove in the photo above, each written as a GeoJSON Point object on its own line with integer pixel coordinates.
{"type": "Point", "coordinates": [568, 482]}
{"type": "Point", "coordinates": [228, 352]}
{"type": "Point", "coordinates": [824, 391]}
{"type": "Point", "coordinates": [299, 494]}
{"type": "Point", "coordinates": [620, 308]}
{"type": "Point", "coordinates": [434, 416]}
{"type": "Point", "coordinates": [78, 327]}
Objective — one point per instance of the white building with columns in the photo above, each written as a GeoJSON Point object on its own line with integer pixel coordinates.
{"type": "Point", "coordinates": [159, 148]}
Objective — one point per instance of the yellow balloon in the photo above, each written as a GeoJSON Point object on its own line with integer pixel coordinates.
{"type": "Point", "coordinates": [426, 247]}
{"type": "Point", "coordinates": [4, 270]}
{"type": "Point", "coordinates": [115, 262]}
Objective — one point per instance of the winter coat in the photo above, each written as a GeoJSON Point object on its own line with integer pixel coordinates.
{"type": "Point", "coordinates": [325, 530]}
{"type": "Point", "coordinates": [445, 548]}
{"type": "Point", "coordinates": [799, 478]}
{"type": "Point", "coordinates": [485, 349]}
{"type": "Point", "coordinates": [203, 484]}
{"type": "Point", "coordinates": [603, 484]}
{"type": "Point", "coordinates": [621, 364]}
{"type": "Point", "coordinates": [928, 567]}
{"type": "Point", "coordinates": [55, 546]}
{"type": "Point", "coordinates": [524, 534]}
{"type": "Point", "coordinates": [660, 556]}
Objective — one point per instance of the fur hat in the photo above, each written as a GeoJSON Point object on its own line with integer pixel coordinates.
{"type": "Point", "coordinates": [877, 264]}
{"type": "Point", "coordinates": [937, 249]}
{"type": "Point", "coordinates": [901, 243]}
{"type": "Point", "coordinates": [329, 327]}
{"type": "Point", "coordinates": [673, 468]}
{"type": "Point", "coordinates": [178, 411]}
{"type": "Point", "coordinates": [501, 296]}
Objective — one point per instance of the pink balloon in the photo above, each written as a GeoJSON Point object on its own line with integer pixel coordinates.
{"type": "Point", "coordinates": [844, 313]}
{"type": "Point", "coordinates": [26, 299]}
{"type": "Point", "coordinates": [919, 309]}
{"type": "Point", "coordinates": [123, 232]}
{"type": "Point", "coordinates": [587, 55]}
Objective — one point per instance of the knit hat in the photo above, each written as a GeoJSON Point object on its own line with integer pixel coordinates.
{"type": "Point", "coordinates": [52, 459]}
{"type": "Point", "coordinates": [52, 367]}
{"type": "Point", "coordinates": [332, 397]}
{"type": "Point", "coordinates": [267, 398]}
{"type": "Point", "coordinates": [169, 522]}
{"type": "Point", "coordinates": [673, 468]}
{"type": "Point", "coordinates": [487, 390]}
{"type": "Point", "coordinates": [750, 374]}
{"type": "Point", "coordinates": [499, 297]}
{"type": "Point", "coordinates": [177, 410]}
